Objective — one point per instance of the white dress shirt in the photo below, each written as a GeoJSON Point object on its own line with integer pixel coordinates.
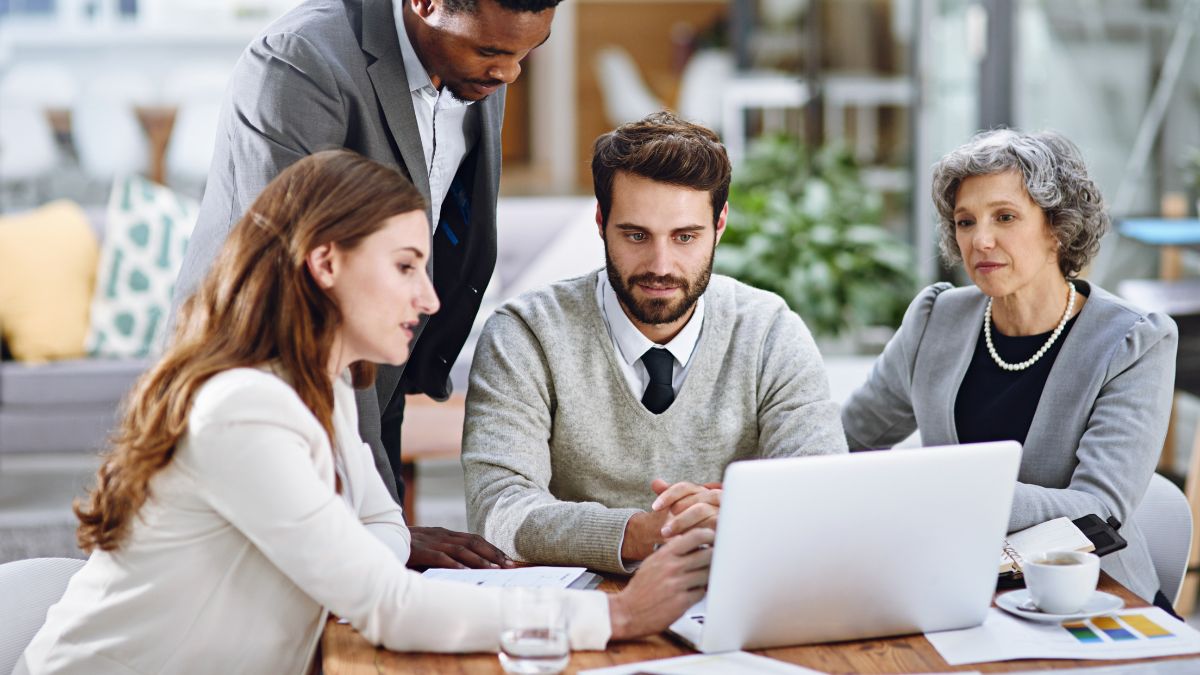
{"type": "Point", "coordinates": [244, 547]}
{"type": "Point", "coordinates": [631, 344]}
{"type": "Point", "coordinates": [448, 128]}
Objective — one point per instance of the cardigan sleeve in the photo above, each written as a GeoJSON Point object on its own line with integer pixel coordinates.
{"type": "Point", "coordinates": [250, 453]}
{"type": "Point", "coordinates": [880, 414]}
{"type": "Point", "coordinates": [506, 459]}
{"type": "Point", "coordinates": [795, 414]}
{"type": "Point", "coordinates": [1121, 442]}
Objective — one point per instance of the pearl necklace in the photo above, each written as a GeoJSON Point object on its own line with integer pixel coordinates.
{"type": "Point", "coordinates": [987, 334]}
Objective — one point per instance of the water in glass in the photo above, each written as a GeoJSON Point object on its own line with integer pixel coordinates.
{"type": "Point", "coordinates": [534, 651]}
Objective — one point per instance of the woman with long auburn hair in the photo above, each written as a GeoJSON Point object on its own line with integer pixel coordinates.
{"type": "Point", "coordinates": [237, 505]}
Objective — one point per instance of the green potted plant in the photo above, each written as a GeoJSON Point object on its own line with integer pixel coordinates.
{"type": "Point", "coordinates": [804, 226]}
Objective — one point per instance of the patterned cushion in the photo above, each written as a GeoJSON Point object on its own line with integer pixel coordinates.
{"type": "Point", "coordinates": [147, 232]}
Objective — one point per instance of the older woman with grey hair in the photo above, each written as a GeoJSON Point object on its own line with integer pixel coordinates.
{"type": "Point", "coordinates": [1030, 352]}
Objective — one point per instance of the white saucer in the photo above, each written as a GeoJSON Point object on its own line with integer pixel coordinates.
{"type": "Point", "coordinates": [1020, 603]}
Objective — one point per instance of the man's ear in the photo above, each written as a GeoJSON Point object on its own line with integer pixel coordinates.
{"type": "Point", "coordinates": [599, 221]}
{"type": "Point", "coordinates": [424, 8]}
{"type": "Point", "coordinates": [322, 265]}
{"type": "Point", "coordinates": [721, 222]}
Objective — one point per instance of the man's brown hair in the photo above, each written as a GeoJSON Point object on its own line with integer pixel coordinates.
{"type": "Point", "coordinates": [663, 148]}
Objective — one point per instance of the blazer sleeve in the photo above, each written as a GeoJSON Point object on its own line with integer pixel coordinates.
{"type": "Point", "coordinates": [795, 414]}
{"type": "Point", "coordinates": [880, 413]}
{"type": "Point", "coordinates": [378, 511]}
{"type": "Point", "coordinates": [283, 104]}
{"type": "Point", "coordinates": [250, 455]}
{"type": "Point", "coordinates": [506, 459]}
{"type": "Point", "coordinates": [1120, 445]}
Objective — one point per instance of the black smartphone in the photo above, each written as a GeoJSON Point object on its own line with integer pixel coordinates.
{"type": "Point", "coordinates": [1102, 533]}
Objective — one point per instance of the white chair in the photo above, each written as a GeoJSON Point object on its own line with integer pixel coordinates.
{"type": "Point", "coordinates": [28, 150]}
{"type": "Point", "coordinates": [1165, 519]}
{"type": "Point", "coordinates": [27, 147]}
{"type": "Point", "coordinates": [27, 590]}
{"type": "Point", "coordinates": [197, 90]}
{"type": "Point", "coordinates": [192, 140]}
{"type": "Point", "coordinates": [107, 134]}
{"type": "Point", "coordinates": [702, 86]}
{"type": "Point", "coordinates": [626, 96]}
{"type": "Point", "coordinates": [40, 85]}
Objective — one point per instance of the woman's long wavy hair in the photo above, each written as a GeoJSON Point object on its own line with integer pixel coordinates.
{"type": "Point", "coordinates": [259, 304]}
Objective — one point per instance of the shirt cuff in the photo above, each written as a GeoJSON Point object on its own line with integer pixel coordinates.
{"type": "Point", "coordinates": [627, 566]}
{"type": "Point", "coordinates": [588, 624]}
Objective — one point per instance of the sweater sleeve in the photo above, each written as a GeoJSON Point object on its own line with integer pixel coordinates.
{"type": "Point", "coordinates": [250, 453]}
{"type": "Point", "coordinates": [880, 414]}
{"type": "Point", "coordinates": [1119, 449]}
{"type": "Point", "coordinates": [506, 460]}
{"type": "Point", "coordinates": [795, 414]}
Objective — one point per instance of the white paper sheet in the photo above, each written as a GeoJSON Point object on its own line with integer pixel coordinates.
{"type": "Point", "coordinates": [1124, 634]}
{"type": "Point", "coordinates": [527, 577]}
{"type": "Point", "coordinates": [729, 663]}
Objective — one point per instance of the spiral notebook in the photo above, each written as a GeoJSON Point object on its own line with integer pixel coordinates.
{"type": "Point", "coordinates": [1059, 534]}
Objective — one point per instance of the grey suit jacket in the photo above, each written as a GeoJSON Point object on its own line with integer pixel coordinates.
{"type": "Point", "coordinates": [1095, 439]}
{"type": "Point", "coordinates": [329, 74]}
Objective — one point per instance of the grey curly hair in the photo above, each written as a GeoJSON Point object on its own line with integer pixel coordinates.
{"type": "Point", "coordinates": [1055, 178]}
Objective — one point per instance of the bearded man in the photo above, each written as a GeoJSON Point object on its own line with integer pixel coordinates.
{"type": "Point", "coordinates": [603, 410]}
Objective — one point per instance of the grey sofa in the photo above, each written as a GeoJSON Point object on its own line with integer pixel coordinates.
{"type": "Point", "coordinates": [64, 406]}
{"type": "Point", "coordinates": [71, 406]}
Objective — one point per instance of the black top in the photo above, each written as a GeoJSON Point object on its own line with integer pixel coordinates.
{"type": "Point", "coordinates": [994, 404]}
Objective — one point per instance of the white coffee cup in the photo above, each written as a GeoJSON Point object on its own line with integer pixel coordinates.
{"type": "Point", "coordinates": [1061, 582]}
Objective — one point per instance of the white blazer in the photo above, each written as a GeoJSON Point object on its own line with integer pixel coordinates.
{"type": "Point", "coordinates": [244, 546]}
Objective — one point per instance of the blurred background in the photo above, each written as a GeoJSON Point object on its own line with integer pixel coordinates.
{"type": "Point", "coordinates": [832, 110]}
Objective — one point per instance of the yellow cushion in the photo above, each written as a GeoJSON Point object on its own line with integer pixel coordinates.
{"type": "Point", "coordinates": [47, 271]}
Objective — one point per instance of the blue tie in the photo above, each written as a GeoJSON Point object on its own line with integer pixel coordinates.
{"type": "Point", "coordinates": [659, 394]}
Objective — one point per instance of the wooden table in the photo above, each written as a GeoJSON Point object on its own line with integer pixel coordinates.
{"type": "Point", "coordinates": [347, 653]}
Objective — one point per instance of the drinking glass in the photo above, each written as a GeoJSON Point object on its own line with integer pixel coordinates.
{"type": "Point", "coordinates": [533, 633]}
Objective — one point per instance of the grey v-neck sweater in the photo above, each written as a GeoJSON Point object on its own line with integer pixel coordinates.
{"type": "Point", "coordinates": [559, 453]}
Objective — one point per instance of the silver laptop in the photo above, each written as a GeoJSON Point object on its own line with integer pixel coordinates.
{"type": "Point", "coordinates": [845, 547]}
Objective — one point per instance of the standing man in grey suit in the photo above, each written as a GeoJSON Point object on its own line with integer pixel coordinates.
{"type": "Point", "coordinates": [415, 84]}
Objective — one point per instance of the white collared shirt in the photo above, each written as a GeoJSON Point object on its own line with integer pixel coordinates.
{"type": "Point", "coordinates": [448, 131]}
{"type": "Point", "coordinates": [631, 344]}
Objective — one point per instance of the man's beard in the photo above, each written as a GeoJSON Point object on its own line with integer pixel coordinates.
{"type": "Point", "coordinates": [657, 311]}
{"type": "Point", "coordinates": [457, 88]}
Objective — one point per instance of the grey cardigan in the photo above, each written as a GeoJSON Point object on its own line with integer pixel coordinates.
{"type": "Point", "coordinates": [1095, 439]}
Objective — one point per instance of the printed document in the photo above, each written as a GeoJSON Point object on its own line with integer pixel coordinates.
{"type": "Point", "coordinates": [1124, 634]}
{"type": "Point", "coordinates": [729, 663]}
{"type": "Point", "coordinates": [527, 577]}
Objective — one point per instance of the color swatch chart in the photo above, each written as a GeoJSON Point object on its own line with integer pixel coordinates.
{"type": "Point", "coordinates": [1117, 628]}
{"type": "Point", "coordinates": [1131, 633]}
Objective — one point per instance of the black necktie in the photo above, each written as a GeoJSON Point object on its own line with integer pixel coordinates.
{"type": "Point", "coordinates": [659, 394]}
